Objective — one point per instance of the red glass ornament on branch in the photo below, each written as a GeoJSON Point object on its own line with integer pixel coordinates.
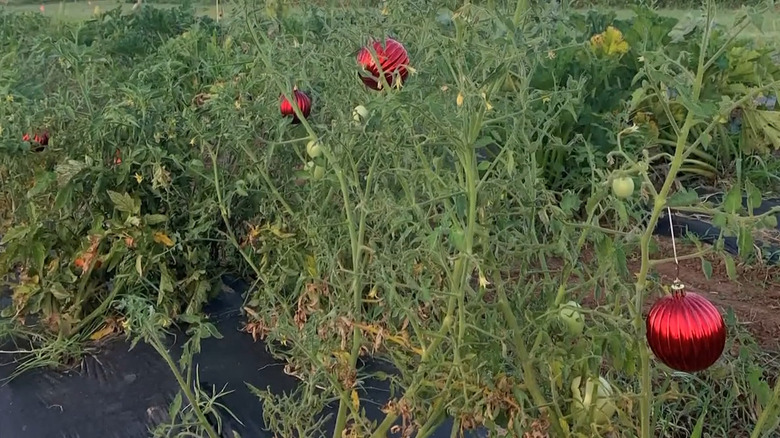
{"type": "Point", "coordinates": [40, 141]}
{"type": "Point", "coordinates": [391, 58]}
{"type": "Point", "coordinates": [685, 331]}
{"type": "Point", "coordinates": [301, 99]}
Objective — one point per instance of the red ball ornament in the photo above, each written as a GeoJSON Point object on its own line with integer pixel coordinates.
{"type": "Point", "coordinates": [393, 61]}
{"type": "Point", "coordinates": [303, 101]}
{"type": "Point", "coordinates": [685, 331]}
{"type": "Point", "coordinates": [40, 141]}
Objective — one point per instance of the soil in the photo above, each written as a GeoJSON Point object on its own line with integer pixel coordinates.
{"type": "Point", "coordinates": [754, 296]}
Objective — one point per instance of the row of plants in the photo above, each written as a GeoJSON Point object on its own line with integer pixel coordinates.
{"type": "Point", "coordinates": [439, 223]}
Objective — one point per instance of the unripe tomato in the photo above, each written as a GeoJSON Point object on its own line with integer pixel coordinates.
{"type": "Point", "coordinates": [581, 403]}
{"type": "Point", "coordinates": [572, 318]}
{"type": "Point", "coordinates": [360, 112]}
{"type": "Point", "coordinates": [623, 187]}
{"type": "Point", "coordinates": [314, 149]}
{"type": "Point", "coordinates": [318, 172]}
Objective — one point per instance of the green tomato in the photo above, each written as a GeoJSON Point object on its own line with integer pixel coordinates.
{"type": "Point", "coordinates": [580, 406]}
{"type": "Point", "coordinates": [314, 149]}
{"type": "Point", "coordinates": [360, 112]}
{"type": "Point", "coordinates": [318, 172]}
{"type": "Point", "coordinates": [572, 318]}
{"type": "Point", "coordinates": [623, 187]}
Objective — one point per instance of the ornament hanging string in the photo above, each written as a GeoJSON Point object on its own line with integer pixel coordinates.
{"type": "Point", "coordinates": [677, 285]}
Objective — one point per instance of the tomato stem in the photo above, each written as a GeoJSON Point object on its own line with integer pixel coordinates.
{"type": "Point", "coordinates": [645, 401]}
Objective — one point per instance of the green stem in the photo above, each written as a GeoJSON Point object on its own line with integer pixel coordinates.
{"type": "Point", "coordinates": [185, 387]}
{"type": "Point", "coordinates": [356, 238]}
{"type": "Point", "coordinates": [100, 310]}
{"type": "Point", "coordinates": [458, 279]}
{"type": "Point", "coordinates": [230, 234]}
{"type": "Point", "coordinates": [529, 375]}
{"type": "Point", "coordinates": [382, 430]}
{"type": "Point", "coordinates": [645, 400]}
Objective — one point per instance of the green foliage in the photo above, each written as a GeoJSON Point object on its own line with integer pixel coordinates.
{"type": "Point", "coordinates": [430, 234]}
{"type": "Point", "coordinates": [671, 4]}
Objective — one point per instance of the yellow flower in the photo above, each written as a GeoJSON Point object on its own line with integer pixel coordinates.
{"type": "Point", "coordinates": [139, 177]}
{"type": "Point", "coordinates": [614, 42]}
{"type": "Point", "coordinates": [459, 99]}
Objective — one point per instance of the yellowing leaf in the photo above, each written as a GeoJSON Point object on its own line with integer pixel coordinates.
{"type": "Point", "coordinates": [163, 238]}
{"type": "Point", "coordinates": [355, 400]}
{"type": "Point", "coordinates": [311, 266]}
{"type": "Point", "coordinates": [277, 231]}
{"type": "Point", "coordinates": [102, 333]}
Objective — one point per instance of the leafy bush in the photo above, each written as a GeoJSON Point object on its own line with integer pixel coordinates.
{"type": "Point", "coordinates": [441, 229]}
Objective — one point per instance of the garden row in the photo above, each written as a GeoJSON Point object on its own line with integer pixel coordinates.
{"type": "Point", "coordinates": [416, 222]}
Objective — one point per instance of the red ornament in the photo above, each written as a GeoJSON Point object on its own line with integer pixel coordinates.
{"type": "Point", "coordinates": [303, 101]}
{"type": "Point", "coordinates": [393, 61]}
{"type": "Point", "coordinates": [685, 331]}
{"type": "Point", "coordinates": [41, 140]}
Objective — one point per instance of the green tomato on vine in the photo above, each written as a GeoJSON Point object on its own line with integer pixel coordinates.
{"type": "Point", "coordinates": [318, 172]}
{"type": "Point", "coordinates": [360, 113]}
{"type": "Point", "coordinates": [571, 317]}
{"type": "Point", "coordinates": [314, 149]}
{"type": "Point", "coordinates": [582, 401]}
{"type": "Point", "coordinates": [623, 187]}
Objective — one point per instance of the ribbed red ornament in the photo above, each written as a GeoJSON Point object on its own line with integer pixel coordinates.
{"type": "Point", "coordinates": [41, 141]}
{"type": "Point", "coordinates": [685, 331]}
{"type": "Point", "coordinates": [303, 101]}
{"type": "Point", "coordinates": [393, 60]}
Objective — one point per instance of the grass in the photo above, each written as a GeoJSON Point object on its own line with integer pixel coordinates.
{"type": "Point", "coordinates": [83, 10]}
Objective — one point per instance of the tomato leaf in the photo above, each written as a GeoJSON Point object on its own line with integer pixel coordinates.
{"type": "Point", "coordinates": [39, 257]}
{"type": "Point", "coordinates": [706, 267]}
{"type": "Point", "coordinates": [769, 221]}
{"type": "Point", "coordinates": [212, 330]}
{"type": "Point", "coordinates": [175, 407]}
{"type": "Point", "coordinates": [123, 202]}
{"type": "Point", "coordinates": [58, 291]}
{"type": "Point", "coordinates": [569, 203]}
{"type": "Point", "coordinates": [166, 284]}
{"type": "Point", "coordinates": [15, 233]}
{"type": "Point", "coordinates": [731, 268]}
{"type": "Point", "coordinates": [753, 196]}
{"type": "Point", "coordinates": [745, 241]}
{"type": "Point", "coordinates": [733, 200]}
{"type": "Point", "coordinates": [42, 182]}
{"type": "Point", "coordinates": [698, 429]}
{"type": "Point", "coordinates": [682, 198]}
{"type": "Point", "coordinates": [155, 219]}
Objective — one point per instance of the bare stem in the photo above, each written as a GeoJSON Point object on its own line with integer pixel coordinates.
{"type": "Point", "coordinates": [645, 401]}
